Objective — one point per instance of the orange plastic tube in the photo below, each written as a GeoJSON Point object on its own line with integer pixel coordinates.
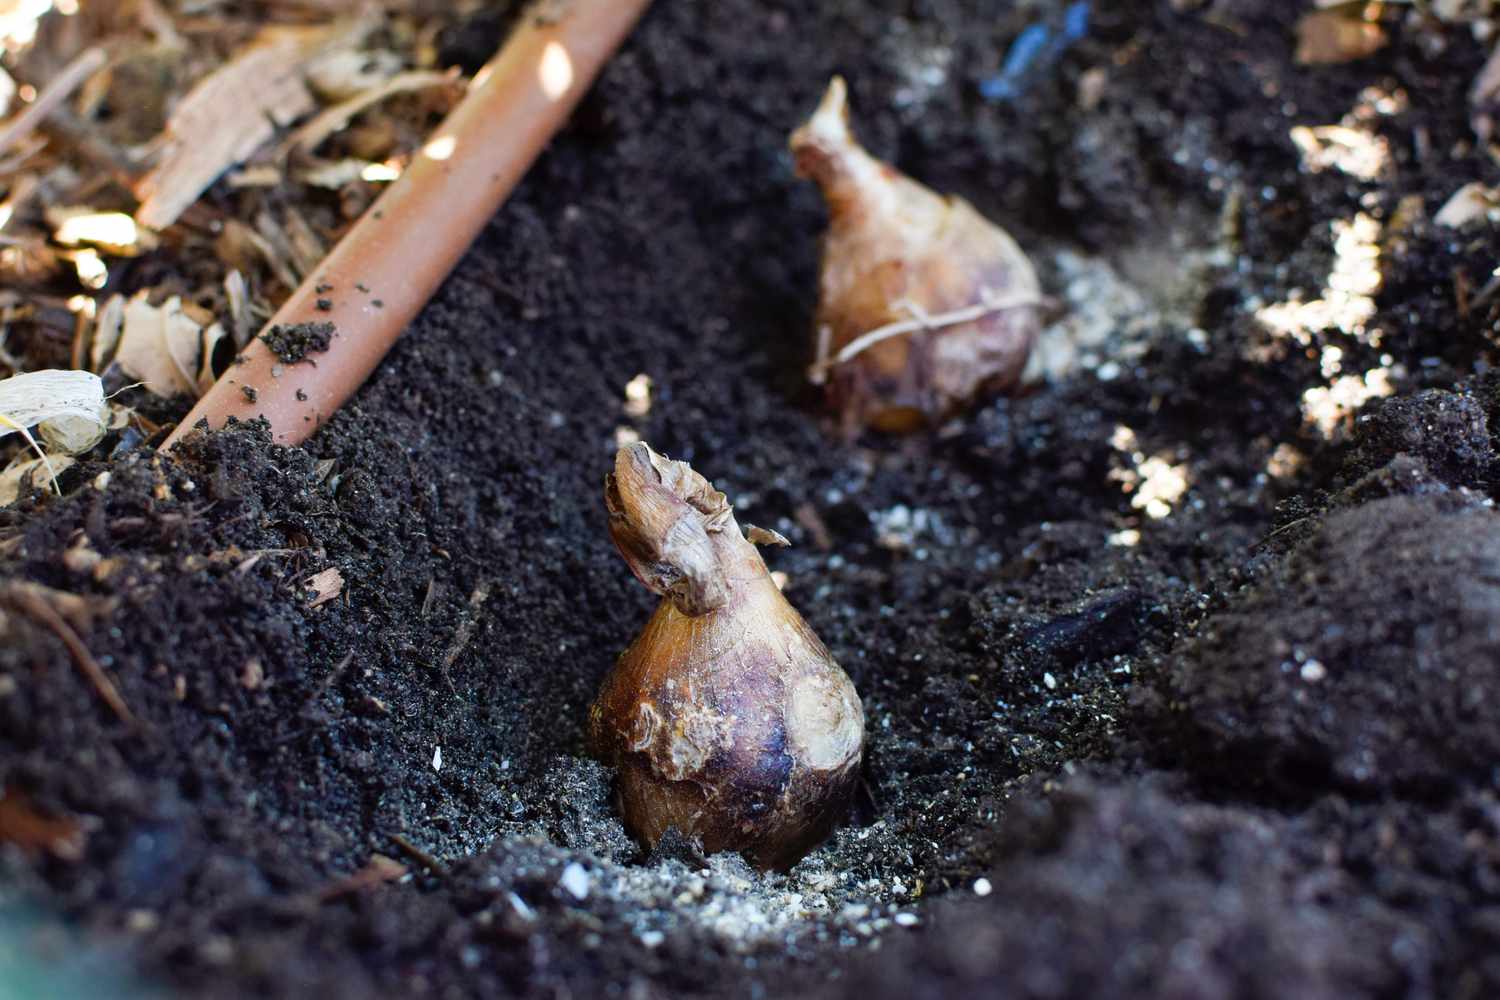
{"type": "Point", "coordinates": [390, 263]}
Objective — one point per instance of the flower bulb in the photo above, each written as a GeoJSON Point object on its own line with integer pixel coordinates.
{"type": "Point", "coordinates": [726, 717]}
{"type": "Point", "coordinates": [923, 303]}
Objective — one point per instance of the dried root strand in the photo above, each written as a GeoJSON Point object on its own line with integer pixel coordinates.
{"type": "Point", "coordinates": [989, 303]}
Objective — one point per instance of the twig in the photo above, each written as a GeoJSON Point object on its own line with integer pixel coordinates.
{"type": "Point", "coordinates": [84, 65]}
{"type": "Point", "coordinates": [379, 870]}
{"type": "Point", "coordinates": [328, 121]}
{"type": "Point", "coordinates": [1489, 290]}
{"type": "Point", "coordinates": [1285, 527]}
{"type": "Point", "coordinates": [420, 856]}
{"type": "Point", "coordinates": [328, 680]}
{"type": "Point", "coordinates": [465, 631]}
{"type": "Point", "coordinates": [29, 600]}
{"type": "Point", "coordinates": [391, 262]}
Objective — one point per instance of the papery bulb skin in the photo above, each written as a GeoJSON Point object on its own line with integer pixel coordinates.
{"type": "Point", "coordinates": [726, 718]}
{"type": "Point", "coordinates": [923, 303]}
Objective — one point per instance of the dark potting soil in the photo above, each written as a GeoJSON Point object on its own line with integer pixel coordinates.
{"type": "Point", "coordinates": [1180, 680]}
{"type": "Point", "coordinates": [292, 342]}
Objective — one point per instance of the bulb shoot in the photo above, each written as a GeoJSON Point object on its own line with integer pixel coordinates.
{"type": "Point", "coordinates": [726, 718]}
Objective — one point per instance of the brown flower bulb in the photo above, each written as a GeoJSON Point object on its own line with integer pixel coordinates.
{"type": "Point", "coordinates": [726, 718]}
{"type": "Point", "coordinates": [923, 303]}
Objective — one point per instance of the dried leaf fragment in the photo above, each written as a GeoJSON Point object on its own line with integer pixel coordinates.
{"type": "Point", "coordinates": [325, 586]}
{"type": "Point", "coordinates": [68, 410]}
{"type": "Point", "coordinates": [164, 346]}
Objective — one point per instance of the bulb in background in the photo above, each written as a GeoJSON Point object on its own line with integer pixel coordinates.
{"type": "Point", "coordinates": [923, 303]}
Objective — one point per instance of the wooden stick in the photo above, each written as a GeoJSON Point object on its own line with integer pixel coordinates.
{"type": "Point", "coordinates": [389, 264]}
{"type": "Point", "coordinates": [84, 65]}
{"type": "Point", "coordinates": [29, 599]}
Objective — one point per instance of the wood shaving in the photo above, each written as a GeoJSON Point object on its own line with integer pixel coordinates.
{"type": "Point", "coordinates": [83, 66]}
{"type": "Point", "coordinates": [340, 75]}
{"type": "Point", "coordinates": [311, 135]}
{"type": "Point", "coordinates": [229, 115]}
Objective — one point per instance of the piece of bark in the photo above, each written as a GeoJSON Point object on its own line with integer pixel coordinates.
{"type": "Point", "coordinates": [227, 116]}
{"type": "Point", "coordinates": [389, 264]}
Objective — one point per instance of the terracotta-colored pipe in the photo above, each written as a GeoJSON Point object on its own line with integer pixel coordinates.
{"type": "Point", "coordinates": [391, 262]}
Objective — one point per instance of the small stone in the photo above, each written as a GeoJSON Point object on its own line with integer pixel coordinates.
{"type": "Point", "coordinates": [81, 558]}
{"type": "Point", "coordinates": [217, 950]}
{"type": "Point", "coordinates": [437, 759]}
{"type": "Point", "coordinates": [519, 905]}
{"type": "Point", "coordinates": [141, 921]}
{"type": "Point", "coordinates": [906, 920]}
{"type": "Point", "coordinates": [982, 887]}
{"type": "Point", "coordinates": [252, 675]}
{"type": "Point", "coordinates": [575, 881]}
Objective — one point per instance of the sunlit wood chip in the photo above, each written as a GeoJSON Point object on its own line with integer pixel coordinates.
{"type": "Point", "coordinates": [1469, 203]}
